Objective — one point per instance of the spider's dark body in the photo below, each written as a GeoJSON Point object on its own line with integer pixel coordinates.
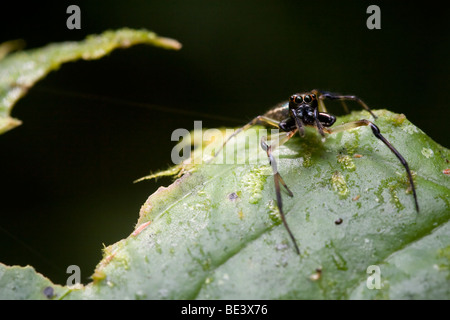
{"type": "Point", "coordinates": [304, 107]}
{"type": "Point", "coordinates": [308, 109]}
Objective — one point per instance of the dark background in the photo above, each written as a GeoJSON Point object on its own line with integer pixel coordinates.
{"type": "Point", "coordinates": [91, 128]}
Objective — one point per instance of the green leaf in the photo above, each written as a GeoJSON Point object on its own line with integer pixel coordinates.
{"type": "Point", "coordinates": [215, 232]}
{"type": "Point", "coordinates": [19, 71]}
{"type": "Point", "coordinates": [24, 283]}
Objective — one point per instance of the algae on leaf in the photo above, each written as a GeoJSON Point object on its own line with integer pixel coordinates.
{"type": "Point", "coordinates": [21, 70]}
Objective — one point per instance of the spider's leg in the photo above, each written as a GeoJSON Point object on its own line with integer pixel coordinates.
{"type": "Point", "coordinates": [299, 124]}
{"type": "Point", "coordinates": [346, 110]}
{"type": "Point", "coordinates": [318, 123]}
{"type": "Point", "coordinates": [333, 96]}
{"type": "Point", "coordinates": [321, 106]}
{"type": "Point", "coordinates": [320, 103]}
{"type": "Point", "coordinates": [377, 133]}
{"type": "Point", "coordinates": [275, 143]}
{"type": "Point", "coordinates": [285, 136]}
{"type": "Point", "coordinates": [258, 120]}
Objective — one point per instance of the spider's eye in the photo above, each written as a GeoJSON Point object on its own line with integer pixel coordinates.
{"type": "Point", "coordinates": [298, 99]}
{"type": "Point", "coordinates": [291, 98]}
{"type": "Point", "coordinates": [308, 98]}
{"type": "Point", "coordinates": [313, 96]}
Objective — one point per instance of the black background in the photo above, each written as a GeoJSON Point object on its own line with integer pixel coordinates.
{"type": "Point", "coordinates": [91, 128]}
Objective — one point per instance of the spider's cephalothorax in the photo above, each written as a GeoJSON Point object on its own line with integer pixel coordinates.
{"type": "Point", "coordinates": [304, 106]}
{"type": "Point", "coordinates": [304, 111]}
{"type": "Point", "coordinates": [308, 109]}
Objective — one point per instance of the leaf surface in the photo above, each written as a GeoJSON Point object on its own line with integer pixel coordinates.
{"type": "Point", "coordinates": [215, 233]}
